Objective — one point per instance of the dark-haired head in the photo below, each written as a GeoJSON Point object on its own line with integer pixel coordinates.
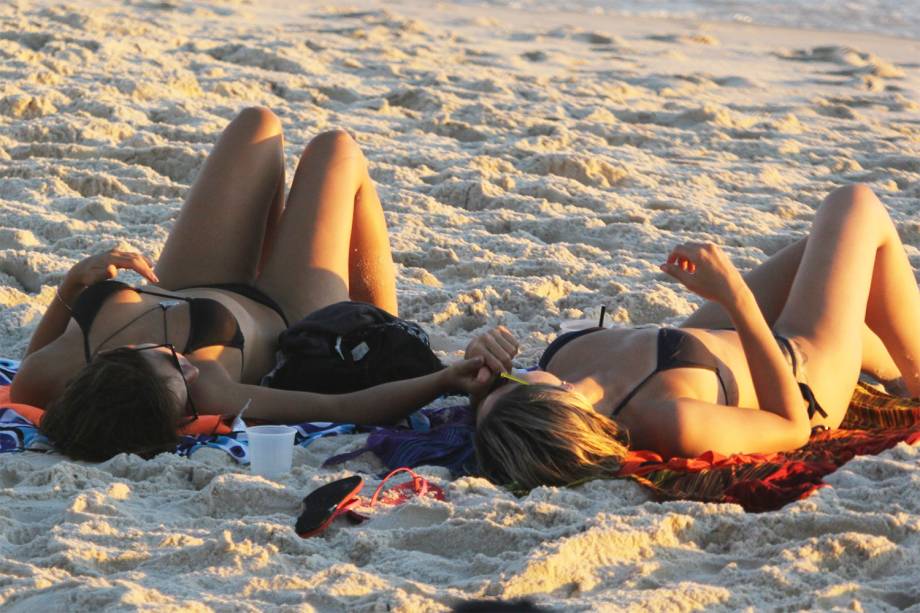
{"type": "Point", "coordinates": [118, 403]}
{"type": "Point", "coordinates": [543, 434]}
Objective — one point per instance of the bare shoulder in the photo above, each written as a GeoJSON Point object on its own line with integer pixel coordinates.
{"type": "Point", "coordinates": [44, 374]}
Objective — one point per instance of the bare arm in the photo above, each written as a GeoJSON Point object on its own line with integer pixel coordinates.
{"type": "Point", "coordinates": [707, 271]}
{"type": "Point", "coordinates": [686, 427]}
{"type": "Point", "coordinates": [85, 272]}
{"type": "Point", "coordinates": [381, 404]}
{"type": "Point", "coordinates": [42, 377]}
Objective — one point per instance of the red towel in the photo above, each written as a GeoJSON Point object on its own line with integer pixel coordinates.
{"type": "Point", "coordinates": [765, 482]}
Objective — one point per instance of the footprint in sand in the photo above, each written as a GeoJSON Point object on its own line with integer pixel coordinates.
{"type": "Point", "coordinates": [25, 106]}
{"type": "Point", "coordinates": [417, 99]}
{"type": "Point", "coordinates": [94, 184]}
{"type": "Point", "coordinates": [535, 56]}
{"type": "Point", "coordinates": [28, 268]}
{"type": "Point", "coordinates": [457, 130]}
{"type": "Point", "coordinates": [180, 164]}
{"type": "Point", "coordinates": [14, 238]}
{"type": "Point", "coordinates": [588, 36]}
{"type": "Point", "coordinates": [857, 62]}
{"type": "Point", "coordinates": [686, 39]}
{"type": "Point", "coordinates": [587, 170]}
{"type": "Point", "coordinates": [259, 58]}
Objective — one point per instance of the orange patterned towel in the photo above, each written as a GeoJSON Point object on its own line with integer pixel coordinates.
{"type": "Point", "coordinates": [765, 482]}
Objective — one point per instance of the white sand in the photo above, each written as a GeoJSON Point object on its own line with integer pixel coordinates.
{"type": "Point", "coordinates": [532, 169]}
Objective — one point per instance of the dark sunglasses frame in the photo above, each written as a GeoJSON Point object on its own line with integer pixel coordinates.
{"type": "Point", "coordinates": [191, 411]}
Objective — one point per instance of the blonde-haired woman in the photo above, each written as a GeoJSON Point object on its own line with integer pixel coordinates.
{"type": "Point", "coordinates": [769, 357]}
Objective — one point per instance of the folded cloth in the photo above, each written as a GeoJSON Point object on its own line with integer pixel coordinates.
{"type": "Point", "coordinates": [435, 436]}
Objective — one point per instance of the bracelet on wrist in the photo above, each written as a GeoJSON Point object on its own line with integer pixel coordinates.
{"type": "Point", "coordinates": [57, 295]}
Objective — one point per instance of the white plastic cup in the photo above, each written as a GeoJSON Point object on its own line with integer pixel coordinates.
{"type": "Point", "coordinates": [271, 450]}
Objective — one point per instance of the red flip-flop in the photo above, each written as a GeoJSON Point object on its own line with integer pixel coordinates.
{"type": "Point", "coordinates": [324, 504]}
{"type": "Point", "coordinates": [398, 494]}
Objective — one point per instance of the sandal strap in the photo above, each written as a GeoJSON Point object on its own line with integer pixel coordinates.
{"type": "Point", "coordinates": [419, 484]}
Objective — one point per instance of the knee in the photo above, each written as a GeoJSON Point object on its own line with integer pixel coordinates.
{"type": "Point", "coordinates": [854, 192]}
{"type": "Point", "coordinates": [259, 119]}
{"type": "Point", "coordinates": [336, 144]}
{"type": "Point", "coordinates": [857, 199]}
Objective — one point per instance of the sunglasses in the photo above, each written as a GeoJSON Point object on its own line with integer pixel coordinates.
{"type": "Point", "coordinates": [191, 412]}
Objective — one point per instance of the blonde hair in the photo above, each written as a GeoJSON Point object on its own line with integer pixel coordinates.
{"type": "Point", "coordinates": [544, 435]}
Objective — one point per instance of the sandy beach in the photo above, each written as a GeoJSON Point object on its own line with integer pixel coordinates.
{"type": "Point", "coordinates": [533, 166]}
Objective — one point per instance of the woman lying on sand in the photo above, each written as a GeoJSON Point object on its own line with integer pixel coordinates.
{"type": "Point", "coordinates": [119, 368]}
{"type": "Point", "coordinates": [769, 357]}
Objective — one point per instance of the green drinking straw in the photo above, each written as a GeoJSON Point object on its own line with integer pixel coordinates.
{"type": "Point", "coordinates": [511, 377]}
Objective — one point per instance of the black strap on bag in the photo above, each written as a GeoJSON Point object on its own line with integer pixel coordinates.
{"type": "Point", "coordinates": [350, 346]}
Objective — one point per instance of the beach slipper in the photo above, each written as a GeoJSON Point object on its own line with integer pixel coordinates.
{"type": "Point", "coordinates": [324, 504]}
{"type": "Point", "coordinates": [398, 494]}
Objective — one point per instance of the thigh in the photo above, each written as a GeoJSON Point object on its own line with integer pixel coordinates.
{"type": "Point", "coordinates": [826, 307]}
{"type": "Point", "coordinates": [220, 230]}
{"type": "Point", "coordinates": [770, 282]}
{"type": "Point", "coordinates": [308, 267]}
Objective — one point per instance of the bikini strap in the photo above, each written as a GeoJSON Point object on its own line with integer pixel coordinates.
{"type": "Point", "coordinates": [634, 391]}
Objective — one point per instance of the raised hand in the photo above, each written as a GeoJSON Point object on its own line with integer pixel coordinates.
{"type": "Point", "coordinates": [497, 348]}
{"type": "Point", "coordinates": [463, 376]}
{"type": "Point", "coordinates": [102, 266]}
{"type": "Point", "coordinates": [705, 270]}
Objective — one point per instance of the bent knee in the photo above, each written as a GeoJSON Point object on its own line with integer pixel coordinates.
{"type": "Point", "coordinates": [857, 200]}
{"type": "Point", "coordinates": [334, 144]}
{"type": "Point", "coordinates": [853, 192]}
{"type": "Point", "coordinates": [260, 119]}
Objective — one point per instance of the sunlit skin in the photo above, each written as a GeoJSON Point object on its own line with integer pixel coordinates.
{"type": "Point", "coordinates": [323, 242]}
{"type": "Point", "coordinates": [846, 297]}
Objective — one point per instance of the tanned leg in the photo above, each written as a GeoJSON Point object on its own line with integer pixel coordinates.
{"type": "Point", "coordinates": [853, 270]}
{"type": "Point", "coordinates": [218, 237]}
{"type": "Point", "coordinates": [770, 282]}
{"type": "Point", "coordinates": [331, 243]}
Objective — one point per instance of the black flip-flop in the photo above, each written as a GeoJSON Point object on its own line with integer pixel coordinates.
{"type": "Point", "coordinates": [325, 503]}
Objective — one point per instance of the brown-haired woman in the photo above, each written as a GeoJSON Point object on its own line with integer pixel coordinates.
{"type": "Point", "coordinates": [119, 367]}
{"type": "Point", "coordinates": [769, 357]}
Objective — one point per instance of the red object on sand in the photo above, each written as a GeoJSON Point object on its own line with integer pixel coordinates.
{"type": "Point", "coordinates": [764, 482]}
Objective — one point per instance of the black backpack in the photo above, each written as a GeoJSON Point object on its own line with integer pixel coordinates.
{"type": "Point", "coordinates": [350, 346]}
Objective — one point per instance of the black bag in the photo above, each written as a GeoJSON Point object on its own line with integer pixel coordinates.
{"type": "Point", "coordinates": [350, 346]}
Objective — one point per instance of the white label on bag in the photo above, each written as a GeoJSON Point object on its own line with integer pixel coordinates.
{"type": "Point", "coordinates": [338, 347]}
{"type": "Point", "coordinates": [359, 351]}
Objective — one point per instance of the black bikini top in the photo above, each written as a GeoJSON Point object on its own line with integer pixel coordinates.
{"type": "Point", "coordinates": [210, 322]}
{"type": "Point", "coordinates": [676, 349]}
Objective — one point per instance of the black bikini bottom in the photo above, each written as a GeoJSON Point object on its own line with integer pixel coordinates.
{"type": "Point", "coordinates": [250, 292]}
{"type": "Point", "coordinates": [813, 407]}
